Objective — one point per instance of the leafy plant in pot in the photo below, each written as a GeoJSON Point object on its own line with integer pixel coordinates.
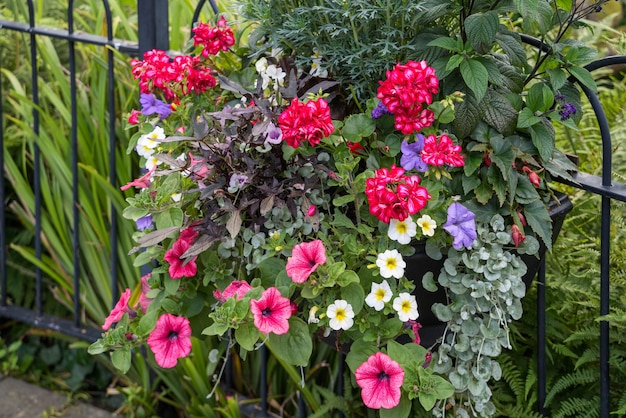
{"type": "Point", "coordinates": [269, 223]}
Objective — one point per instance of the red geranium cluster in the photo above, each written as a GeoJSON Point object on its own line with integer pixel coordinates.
{"type": "Point", "coordinates": [392, 195]}
{"type": "Point", "coordinates": [175, 77]}
{"type": "Point", "coordinates": [441, 150]}
{"type": "Point", "coordinates": [405, 91]}
{"type": "Point", "coordinates": [213, 39]}
{"type": "Point", "coordinates": [308, 121]}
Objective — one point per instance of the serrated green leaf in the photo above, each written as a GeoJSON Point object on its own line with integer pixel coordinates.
{"type": "Point", "coordinates": [475, 76]}
{"type": "Point", "coordinates": [542, 135]}
{"type": "Point", "coordinates": [498, 113]}
{"type": "Point", "coordinates": [540, 98]}
{"type": "Point", "coordinates": [511, 44]}
{"type": "Point", "coordinates": [467, 116]}
{"type": "Point", "coordinates": [539, 221]}
{"type": "Point", "coordinates": [558, 77]}
{"type": "Point", "coordinates": [481, 30]}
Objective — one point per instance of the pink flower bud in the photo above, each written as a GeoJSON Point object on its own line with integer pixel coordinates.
{"type": "Point", "coordinates": [517, 235]}
{"type": "Point", "coordinates": [311, 211]}
{"type": "Point", "coordinates": [133, 118]}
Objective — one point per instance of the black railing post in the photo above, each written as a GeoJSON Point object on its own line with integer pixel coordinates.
{"type": "Point", "coordinates": [153, 25]}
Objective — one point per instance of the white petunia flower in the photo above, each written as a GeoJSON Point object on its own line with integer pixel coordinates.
{"type": "Point", "coordinates": [428, 225]}
{"type": "Point", "coordinates": [151, 162]}
{"type": "Point", "coordinates": [341, 315]}
{"type": "Point", "coordinates": [402, 231]}
{"type": "Point", "coordinates": [276, 73]}
{"type": "Point", "coordinates": [176, 197]}
{"type": "Point", "coordinates": [406, 307]}
{"type": "Point", "coordinates": [391, 264]}
{"type": "Point", "coordinates": [380, 294]}
{"type": "Point", "coordinates": [147, 143]}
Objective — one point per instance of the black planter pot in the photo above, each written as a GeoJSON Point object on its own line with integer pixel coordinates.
{"type": "Point", "coordinates": [419, 264]}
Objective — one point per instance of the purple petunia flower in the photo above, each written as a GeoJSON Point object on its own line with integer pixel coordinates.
{"type": "Point", "coordinates": [461, 226]}
{"type": "Point", "coordinates": [412, 155]}
{"type": "Point", "coordinates": [151, 105]}
{"type": "Point", "coordinates": [144, 222]}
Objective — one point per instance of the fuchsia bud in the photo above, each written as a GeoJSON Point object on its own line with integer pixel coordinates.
{"type": "Point", "coordinates": [522, 218]}
{"type": "Point", "coordinates": [532, 176]}
{"type": "Point", "coordinates": [517, 235]}
{"type": "Point", "coordinates": [133, 118]}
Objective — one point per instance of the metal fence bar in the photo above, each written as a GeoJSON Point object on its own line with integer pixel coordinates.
{"type": "Point", "coordinates": [3, 223]}
{"type": "Point", "coordinates": [37, 158]}
{"type": "Point", "coordinates": [152, 25]}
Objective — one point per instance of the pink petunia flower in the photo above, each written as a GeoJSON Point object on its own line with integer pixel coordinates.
{"type": "Point", "coordinates": [182, 267]}
{"type": "Point", "coordinates": [121, 307]}
{"type": "Point", "coordinates": [237, 288]}
{"type": "Point", "coordinates": [271, 312]}
{"type": "Point", "coordinates": [144, 301]}
{"type": "Point", "coordinates": [170, 340]}
{"type": "Point", "coordinates": [142, 182]}
{"type": "Point", "coordinates": [380, 379]}
{"type": "Point", "coordinates": [304, 260]}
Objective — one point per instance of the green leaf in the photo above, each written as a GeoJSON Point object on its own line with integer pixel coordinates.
{"type": "Point", "coordinates": [97, 348]}
{"type": "Point", "coordinates": [475, 76]}
{"type": "Point", "coordinates": [121, 359]}
{"type": "Point", "coordinates": [511, 44]}
{"type": "Point", "coordinates": [340, 201]}
{"type": "Point", "coordinates": [294, 347]}
{"type": "Point", "coordinates": [247, 335]}
{"type": "Point", "coordinates": [215, 329]}
{"type": "Point", "coordinates": [542, 135]}
{"type": "Point", "coordinates": [347, 277]}
{"type": "Point", "coordinates": [147, 322]}
{"type": "Point", "coordinates": [584, 77]}
{"type": "Point", "coordinates": [357, 127]}
{"type": "Point", "coordinates": [498, 113]}
{"type": "Point", "coordinates": [467, 116]}
{"type": "Point", "coordinates": [408, 355]}
{"type": "Point", "coordinates": [538, 219]}
{"type": "Point", "coordinates": [445, 43]}
{"type": "Point", "coordinates": [540, 98]}
{"type": "Point", "coordinates": [354, 295]}
{"type": "Point", "coordinates": [360, 351]}
{"type": "Point", "coordinates": [171, 285]}
{"type": "Point", "coordinates": [271, 267]}
{"type": "Point", "coordinates": [481, 30]}
{"type": "Point", "coordinates": [527, 118]}
{"type": "Point", "coordinates": [558, 77]}
{"type": "Point", "coordinates": [402, 410]}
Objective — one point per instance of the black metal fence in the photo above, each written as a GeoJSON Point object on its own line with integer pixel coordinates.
{"type": "Point", "coordinates": [152, 20]}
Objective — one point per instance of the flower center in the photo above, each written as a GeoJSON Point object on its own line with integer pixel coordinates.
{"type": "Point", "coordinates": [391, 263]}
{"type": "Point", "coordinates": [401, 228]}
{"type": "Point", "coordinates": [340, 315]}
{"type": "Point", "coordinates": [406, 306]}
{"type": "Point", "coordinates": [267, 312]}
{"type": "Point", "coordinates": [380, 294]}
{"type": "Point", "coordinates": [172, 336]}
{"type": "Point", "coordinates": [382, 376]}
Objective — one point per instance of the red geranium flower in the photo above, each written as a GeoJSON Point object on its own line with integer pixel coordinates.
{"type": "Point", "coordinates": [380, 379]}
{"type": "Point", "coordinates": [304, 260]}
{"type": "Point", "coordinates": [213, 39]}
{"type": "Point", "coordinates": [441, 150]}
{"type": "Point", "coordinates": [406, 91]}
{"type": "Point", "coordinates": [271, 312]}
{"type": "Point", "coordinates": [170, 340]}
{"type": "Point", "coordinates": [308, 121]}
{"type": "Point", "coordinates": [392, 195]}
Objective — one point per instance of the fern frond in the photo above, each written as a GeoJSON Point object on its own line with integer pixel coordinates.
{"type": "Point", "coordinates": [579, 408]}
{"type": "Point", "coordinates": [578, 377]}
